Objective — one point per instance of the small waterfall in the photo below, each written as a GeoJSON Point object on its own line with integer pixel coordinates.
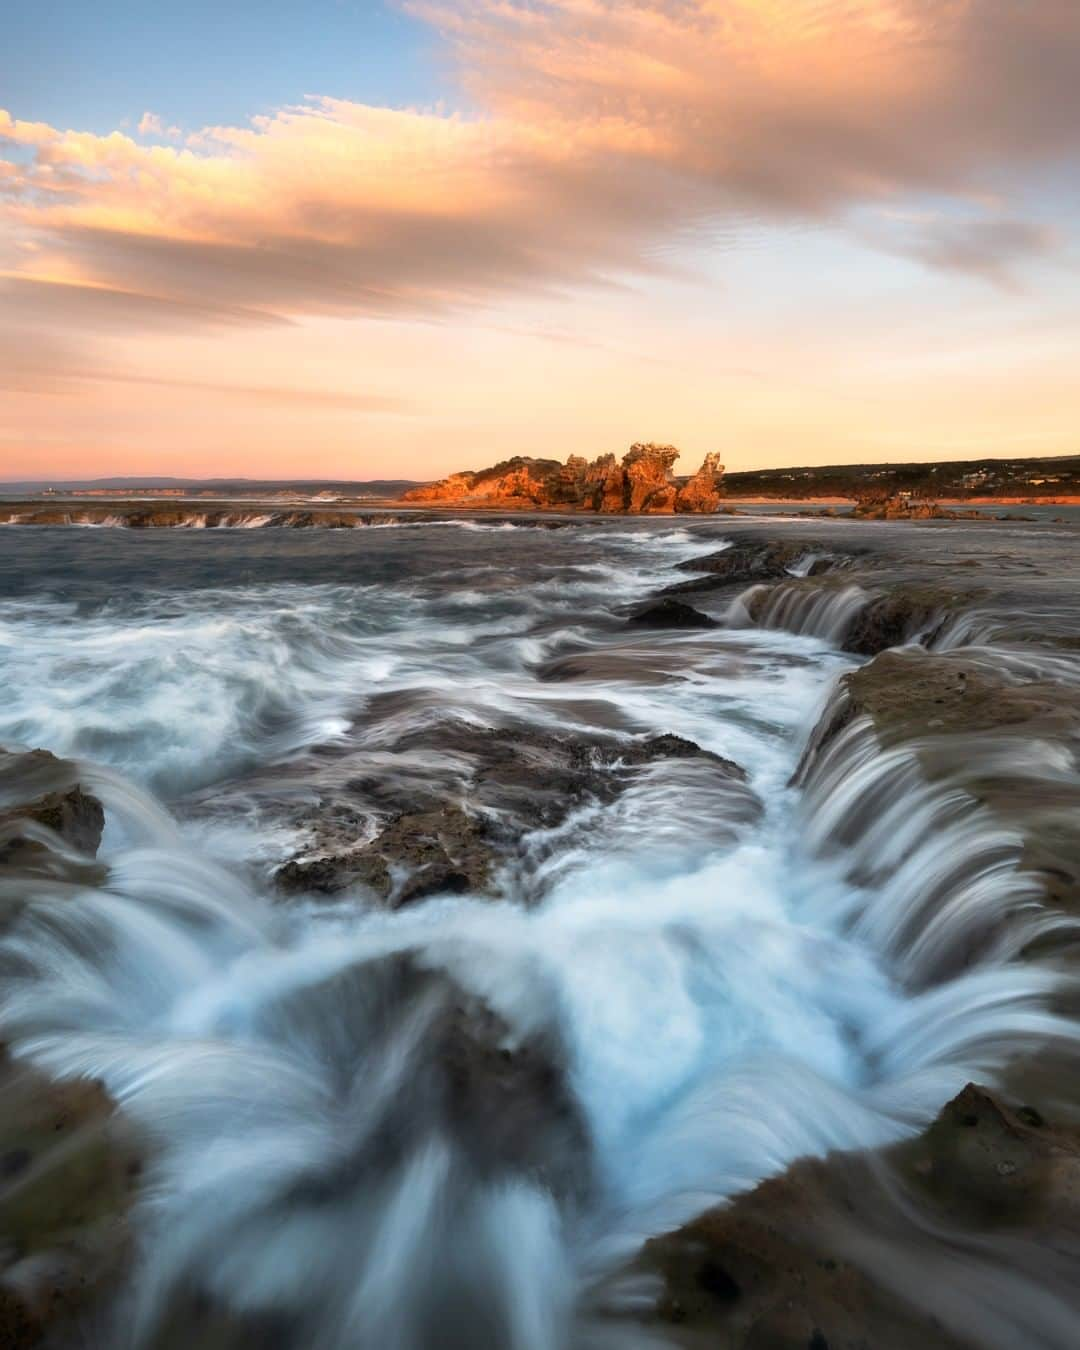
{"type": "Point", "coordinates": [823, 611]}
{"type": "Point", "coordinates": [449, 1124]}
{"type": "Point", "coordinates": [941, 883]}
{"type": "Point", "coordinates": [969, 628]}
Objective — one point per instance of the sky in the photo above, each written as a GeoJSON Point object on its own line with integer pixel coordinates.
{"type": "Point", "coordinates": [354, 239]}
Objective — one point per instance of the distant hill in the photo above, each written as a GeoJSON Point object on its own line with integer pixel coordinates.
{"type": "Point", "coordinates": [1035, 476]}
{"type": "Point", "coordinates": [217, 487]}
{"type": "Point", "coordinates": [1031, 477]}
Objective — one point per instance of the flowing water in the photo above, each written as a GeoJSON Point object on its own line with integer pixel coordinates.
{"type": "Point", "coordinates": [711, 982]}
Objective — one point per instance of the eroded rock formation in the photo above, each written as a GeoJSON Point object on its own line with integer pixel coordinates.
{"type": "Point", "coordinates": [702, 493]}
{"type": "Point", "coordinates": [643, 482]}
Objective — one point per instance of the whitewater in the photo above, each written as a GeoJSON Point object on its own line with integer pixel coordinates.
{"type": "Point", "coordinates": [709, 977]}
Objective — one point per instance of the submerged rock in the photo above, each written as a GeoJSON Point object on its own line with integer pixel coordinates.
{"type": "Point", "coordinates": [671, 613]}
{"type": "Point", "coordinates": [874, 1249]}
{"type": "Point", "coordinates": [444, 1107]}
{"type": "Point", "coordinates": [749, 561]}
{"type": "Point", "coordinates": [69, 1163]}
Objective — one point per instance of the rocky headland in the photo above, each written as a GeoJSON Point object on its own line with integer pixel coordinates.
{"type": "Point", "coordinates": [642, 482]}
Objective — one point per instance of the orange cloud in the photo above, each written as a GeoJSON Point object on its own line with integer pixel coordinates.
{"type": "Point", "coordinates": [608, 126]}
{"type": "Point", "coordinates": [609, 135]}
{"type": "Point", "coordinates": [790, 105]}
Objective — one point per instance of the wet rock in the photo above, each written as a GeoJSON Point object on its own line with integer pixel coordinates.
{"type": "Point", "coordinates": [37, 788]}
{"type": "Point", "coordinates": [515, 780]}
{"type": "Point", "coordinates": [745, 563]}
{"type": "Point", "coordinates": [444, 851]}
{"type": "Point", "coordinates": [910, 694]}
{"type": "Point", "coordinates": [858, 1250]}
{"type": "Point", "coordinates": [195, 1319]}
{"type": "Point", "coordinates": [754, 559]}
{"type": "Point", "coordinates": [992, 1166]}
{"type": "Point", "coordinates": [500, 1094]}
{"type": "Point", "coordinates": [69, 1167]}
{"type": "Point", "coordinates": [895, 507]}
{"type": "Point", "coordinates": [971, 722]}
{"type": "Point", "coordinates": [671, 613]}
{"type": "Point", "coordinates": [908, 610]}
{"type": "Point", "coordinates": [451, 1068]}
{"type": "Point", "coordinates": [669, 746]}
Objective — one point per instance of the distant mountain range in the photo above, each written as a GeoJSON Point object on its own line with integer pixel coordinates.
{"type": "Point", "coordinates": [223, 487]}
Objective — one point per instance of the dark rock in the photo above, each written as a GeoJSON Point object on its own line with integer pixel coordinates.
{"type": "Point", "coordinates": [907, 611]}
{"type": "Point", "coordinates": [439, 852]}
{"type": "Point", "coordinates": [670, 613]}
{"type": "Point", "coordinates": [501, 1096]}
{"type": "Point", "coordinates": [747, 562]}
{"type": "Point", "coordinates": [809, 1259]}
{"type": "Point", "coordinates": [39, 789]}
{"type": "Point", "coordinates": [669, 746]}
{"type": "Point", "coordinates": [909, 694]}
{"type": "Point", "coordinates": [515, 780]}
{"type": "Point", "coordinates": [71, 1167]}
{"type": "Point", "coordinates": [896, 507]}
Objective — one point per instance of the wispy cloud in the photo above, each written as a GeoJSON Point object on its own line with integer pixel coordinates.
{"type": "Point", "coordinates": [991, 250]}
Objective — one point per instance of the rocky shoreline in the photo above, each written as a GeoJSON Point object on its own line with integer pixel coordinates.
{"type": "Point", "coordinates": [835, 1253]}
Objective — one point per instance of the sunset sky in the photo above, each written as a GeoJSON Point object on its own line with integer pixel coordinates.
{"type": "Point", "coordinates": [344, 238]}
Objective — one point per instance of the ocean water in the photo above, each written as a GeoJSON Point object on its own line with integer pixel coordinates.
{"type": "Point", "coordinates": [717, 990]}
